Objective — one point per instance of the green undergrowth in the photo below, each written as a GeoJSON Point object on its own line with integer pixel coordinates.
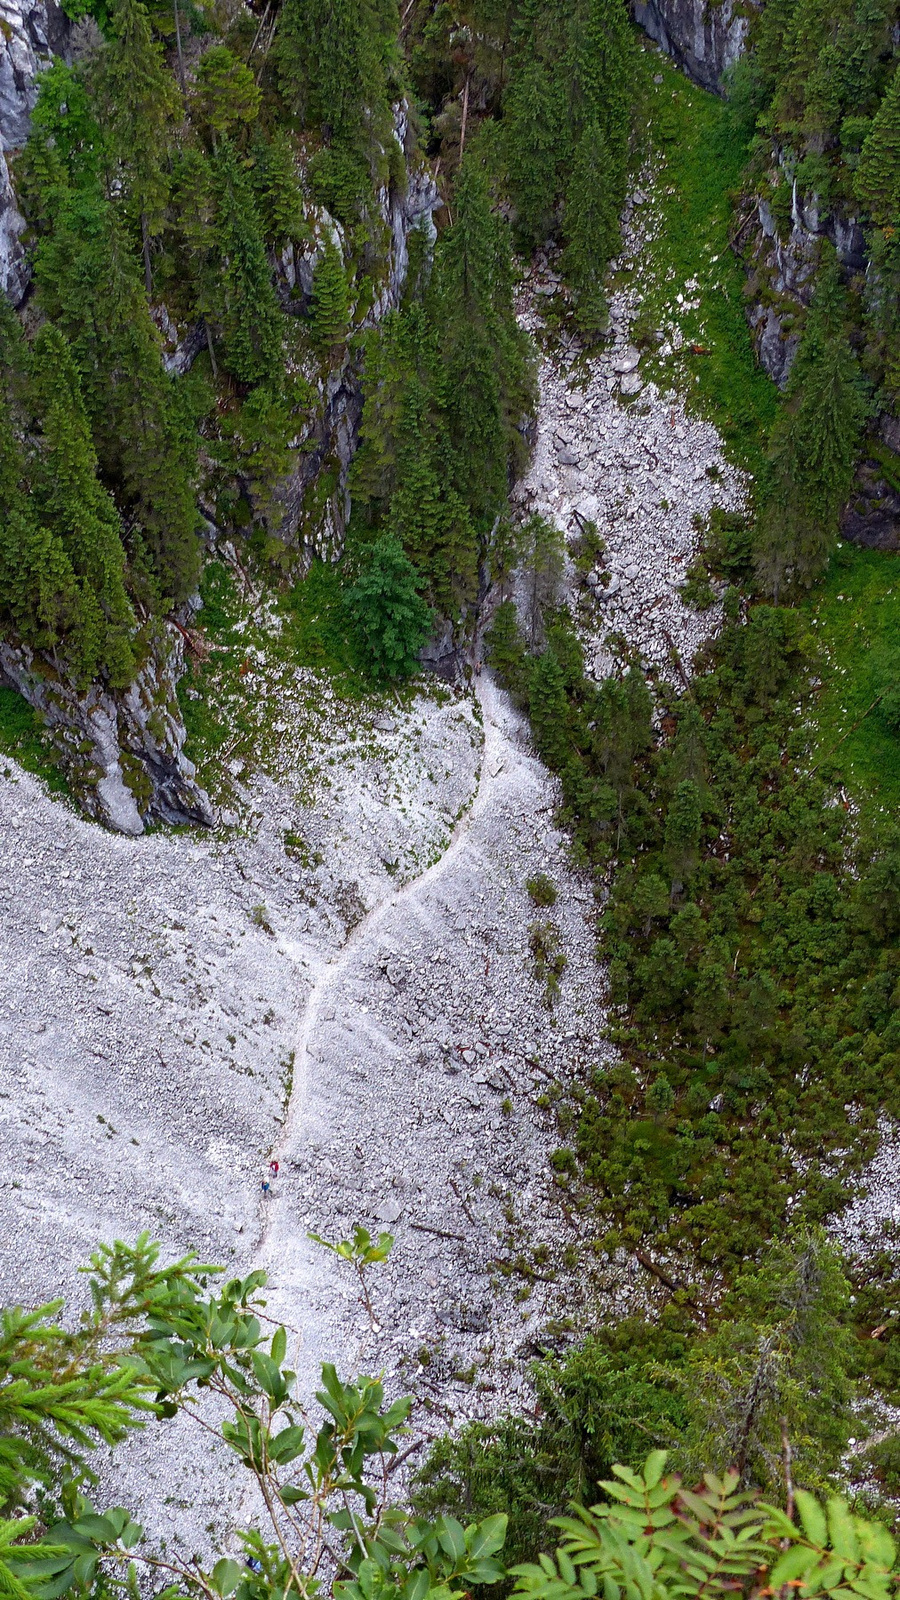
{"type": "Point", "coordinates": [752, 943]}
{"type": "Point", "coordinates": [855, 611]}
{"type": "Point", "coordinates": [261, 663]}
{"type": "Point", "coordinates": [699, 145]}
{"type": "Point", "coordinates": [24, 737]}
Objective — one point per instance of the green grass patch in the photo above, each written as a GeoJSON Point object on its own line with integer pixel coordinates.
{"type": "Point", "coordinates": [700, 149]}
{"type": "Point", "coordinates": [225, 714]}
{"type": "Point", "coordinates": [855, 611]}
{"type": "Point", "coordinates": [318, 632]}
{"type": "Point", "coordinates": [24, 737]}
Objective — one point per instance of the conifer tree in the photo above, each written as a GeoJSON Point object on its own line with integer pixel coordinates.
{"type": "Point", "coordinates": [330, 309]}
{"type": "Point", "coordinates": [548, 709]}
{"type": "Point", "coordinates": [278, 196]}
{"type": "Point", "coordinates": [389, 359]}
{"type": "Point", "coordinates": [40, 597]}
{"type": "Point", "coordinates": [65, 148]}
{"type": "Point", "coordinates": [331, 56]}
{"type": "Point", "coordinates": [814, 445]}
{"type": "Point", "coordinates": [137, 100]}
{"type": "Point", "coordinates": [225, 91]}
{"type": "Point", "coordinates": [484, 367]}
{"type": "Point", "coordinates": [591, 226]}
{"type": "Point", "coordinates": [683, 824]}
{"type": "Point", "coordinates": [248, 309]}
{"type": "Point", "coordinates": [71, 501]}
{"type": "Point", "coordinates": [88, 285]}
{"type": "Point", "coordinates": [603, 81]}
{"type": "Point", "coordinates": [877, 179]}
{"type": "Point", "coordinates": [534, 141]}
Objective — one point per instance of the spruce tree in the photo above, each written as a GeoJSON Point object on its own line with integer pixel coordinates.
{"type": "Point", "coordinates": [683, 827]}
{"type": "Point", "coordinates": [71, 501]}
{"type": "Point", "coordinates": [277, 188]}
{"type": "Point", "coordinates": [332, 57]}
{"type": "Point", "coordinates": [137, 100]}
{"type": "Point", "coordinates": [877, 179]}
{"type": "Point", "coordinates": [814, 446]}
{"type": "Point", "coordinates": [225, 91]}
{"type": "Point", "coordinates": [485, 376]}
{"type": "Point", "coordinates": [40, 597]}
{"type": "Point", "coordinates": [534, 143]}
{"type": "Point", "coordinates": [603, 80]}
{"type": "Point", "coordinates": [247, 307]}
{"type": "Point", "coordinates": [88, 285]}
{"type": "Point", "coordinates": [330, 309]}
{"type": "Point", "coordinates": [591, 227]}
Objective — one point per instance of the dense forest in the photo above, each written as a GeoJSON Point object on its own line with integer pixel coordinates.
{"type": "Point", "coordinates": [222, 180]}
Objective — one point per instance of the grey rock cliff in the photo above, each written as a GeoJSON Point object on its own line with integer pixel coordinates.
{"type": "Point", "coordinates": [782, 264]}
{"type": "Point", "coordinates": [704, 39]}
{"type": "Point", "coordinates": [123, 752]}
{"type": "Point", "coordinates": [31, 34]}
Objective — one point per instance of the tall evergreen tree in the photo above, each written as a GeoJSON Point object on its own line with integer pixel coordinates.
{"type": "Point", "coordinates": [534, 137]}
{"type": "Point", "coordinates": [877, 179]}
{"type": "Point", "coordinates": [137, 101]}
{"type": "Point", "coordinates": [591, 226]}
{"type": "Point", "coordinates": [71, 501]}
{"type": "Point", "coordinates": [330, 309]}
{"type": "Point", "coordinates": [88, 285]}
{"type": "Point", "coordinates": [485, 372]}
{"type": "Point", "coordinates": [225, 91]}
{"type": "Point", "coordinates": [251, 321]}
{"type": "Point", "coordinates": [332, 58]}
{"type": "Point", "coordinates": [815, 442]}
{"type": "Point", "coordinates": [40, 596]}
{"type": "Point", "coordinates": [276, 183]}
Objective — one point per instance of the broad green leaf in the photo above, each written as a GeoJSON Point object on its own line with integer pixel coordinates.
{"type": "Point", "coordinates": [812, 1518]}
{"type": "Point", "coordinates": [452, 1539]}
{"type": "Point", "coordinates": [225, 1576]}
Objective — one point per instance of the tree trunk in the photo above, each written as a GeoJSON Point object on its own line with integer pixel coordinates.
{"type": "Point", "coordinates": [145, 245]}
{"type": "Point", "coordinates": [178, 42]}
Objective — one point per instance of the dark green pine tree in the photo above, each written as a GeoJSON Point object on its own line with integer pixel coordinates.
{"type": "Point", "coordinates": [225, 91]}
{"type": "Point", "coordinates": [426, 514]}
{"type": "Point", "coordinates": [330, 309]}
{"type": "Point", "coordinates": [41, 600]}
{"type": "Point", "coordinates": [591, 227]}
{"type": "Point", "coordinates": [548, 710]}
{"type": "Point", "coordinates": [683, 827]}
{"type": "Point", "coordinates": [388, 367]}
{"type": "Point", "coordinates": [332, 57]}
{"type": "Point", "coordinates": [137, 101]}
{"type": "Point", "coordinates": [71, 501]}
{"type": "Point", "coordinates": [88, 285]}
{"type": "Point", "coordinates": [877, 179]}
{"type": "Point", "coordinates": [247, 306]}
{"type": "Point", "coordinates": [391, 618]}
{"type": "Point", "coordinates": [65, 149]}
{"type": "Point", "coordinates": [815, 443]}
{"type": "Point", "coordinates": [484, 372]}
{"type": "Point", "coordinates": [603, 80]}
{"type": "Point", "coordinates": [535, 136]}
{"type": "Point", "coordinates": [276, 185]}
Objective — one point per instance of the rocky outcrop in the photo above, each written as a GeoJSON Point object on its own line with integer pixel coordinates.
{"type": "Point", "coordinates": [314, 499]}
{"type": "Point", "coordinates": [782, 260]}
{"type": "Point", "coordinates": [872, 515]}
{"type": "Point", "coordinates": [32, 32]}
{"type": "Point", "coordinates": [703, 38]}
{"type": "Point", "coordinates": [123, 753]}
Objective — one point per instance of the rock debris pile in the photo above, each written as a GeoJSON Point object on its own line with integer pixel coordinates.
{"type": "Point", "coordinates": [617, 452]}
